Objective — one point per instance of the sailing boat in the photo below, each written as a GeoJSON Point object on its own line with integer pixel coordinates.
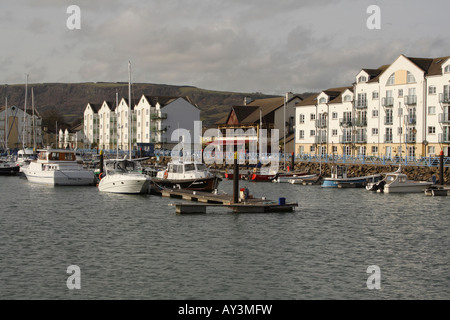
{"type": "Point", "coordinates": [7, 166]}
{"type": "Point", "coordinates": [26, 155]}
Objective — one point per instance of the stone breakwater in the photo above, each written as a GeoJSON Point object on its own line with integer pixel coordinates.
{"type": "Point", "coordinates": [354, 170]}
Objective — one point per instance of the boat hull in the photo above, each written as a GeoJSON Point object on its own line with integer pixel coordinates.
{"type": "Point", "coordinates": [61, 178]}
{"type": "Point", "coordinates": [417, 187]}
{"type": "Point", "coordinates": [9, 171]}
{"type": "Point", "coordinates": [124, 185]}
{"type": "Point", "coordinates": [208, 184]}
{"type": "Point", "coordinates": [358, 182]}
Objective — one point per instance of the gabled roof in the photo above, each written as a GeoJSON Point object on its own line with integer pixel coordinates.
{"type": "Point", "coordinates": [435, 68]}
{"type": "Point", "coordinates": [165, 100]}
{"type": "Point", "coordinates": [29, 110]}
{"type": "Point", "coordinates": [95, 106]}
{"type": "Point", "coordinates": [376, 73]}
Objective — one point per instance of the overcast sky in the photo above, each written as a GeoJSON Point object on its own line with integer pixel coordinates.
{"type": "Point", "coordinates": [269, 46]}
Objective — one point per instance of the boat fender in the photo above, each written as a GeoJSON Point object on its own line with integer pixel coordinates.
{"type": "Point", "coordinates": [166, 174]}
{"type": "Point", "coordinates": [100, 176]}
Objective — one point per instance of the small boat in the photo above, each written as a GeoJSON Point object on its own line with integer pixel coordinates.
{"type": "Point", "coordinates": [8, 168]}
{"type": "Point", "coordinates": [397, 182]}
{"type": "Point", "coordinates": [186, 175]}
{"type": "Point", "coordinates": [308, 179]}
{"type": "Point", "coordinates": [436, 191]}
{"type": "Point", "coordinates": [339, 177]}
{"type": "Point", "coordinates": [58, 167]}
{"type": "Point", "coordinates": [290, 179]}
{"type": "Point", "coordinates": [270, 174]}
{"type": "Point", "coordinates": [123, 176]}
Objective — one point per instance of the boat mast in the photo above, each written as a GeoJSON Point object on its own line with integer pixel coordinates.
{"type": "Point", "coordinates": [6, 123]}
{"type": "Point", "coordinates": [25, 113]}
{"type": "Point", "coordinates": [130, 129]}
{"type": "Point", "coordinates": [33, 123]}
{"type": "Point", "coordinates": [117, 125]}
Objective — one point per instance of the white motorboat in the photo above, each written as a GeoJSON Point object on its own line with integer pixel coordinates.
{"type": "Point", "coordinates": [58, 167]}
{"type": "Point", "coordinates": [397, 182]}
{"type": "Point", "coordinates": [8, 167]}
{"type": "Point", "coordinates": [123, 176]}
{"type": "Point", "coordinates": [24, 157]}
{"type": "Point", "coordinates": [186, 175]}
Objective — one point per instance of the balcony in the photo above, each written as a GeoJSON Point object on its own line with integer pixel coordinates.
{"type": "Point", "coordinates": [410, 120]}
{"type": "Point", "coordinates": [360, 122]}
{"type": "Point", "coordinates": [387, 102]}
{"type": "Point", "coordinates": [388, 121]}
{"type": "Point", "coordinates": [361, 104]}
{"type": "Point", "coordinates": [156, 116]}
{"type": "Point", "coordinates": [360, 138]}
{"type": "Point", "coordinates": [388, 138]}
{"type": "Point", "coordinates": [411, 100]}
{"type": "Point", "coordinates": [410, 138]}
{"type": "Point", "coordinates": [345, 122]}
{"type": "Point", "coordinates": [346, 139]}
{"type": "Point", "coordinates": [444, 137]}
{"type": "Point", "coordinates": [444, 118]}
{"type": "Point", "coordinates": [321, 123]}
{"type": "Point", "coordinates": [321, 139]}
{"type": "Point", "coordinates": [444, 97]}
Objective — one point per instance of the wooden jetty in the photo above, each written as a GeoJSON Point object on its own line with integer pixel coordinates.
{"type": "Point", "coordinates": [206, 200]}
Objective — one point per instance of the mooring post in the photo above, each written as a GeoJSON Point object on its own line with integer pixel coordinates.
{"type": "Point", "coordinates": [441, 168]}
{"type": "Point", "coordinates": [292, 161]}
{"type": "Point", "coordinates": [236, 180]}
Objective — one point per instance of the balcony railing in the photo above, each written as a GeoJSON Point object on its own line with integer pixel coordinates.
{"type": "Point", "coordinates": [411, 100]}
{"type": "Point", "coordinates": [387, 102]}
{"type": "Point", "coordinates": [410, 138]}
{"type": "Point", "coordinates": [444, 97]}
{"type": "Point", "coordinates": [361, 104]}
{"type": "Point", "coordinates": [388, 121]}
{"type": "Point", "coordinates": [444, 118]}
{"type": "Point", "coordinates": [360, 122]}
{"type": "Point", "coordinates": [156, 116]}
{"type": "Point", "coordinates": [346, 139]}
{"type": "Point", "coordinates": [388, 138]}
{"type": "Point", "coordinates": [360, 138]}
{"type": "Point", "coordinates": [444, 137]}
{"type": "Point", "coordinates": [321, 139]}
{"type": "Point", "coordinates": [321, 123]}
{"type": "Point", "coordinates": [345, 122]}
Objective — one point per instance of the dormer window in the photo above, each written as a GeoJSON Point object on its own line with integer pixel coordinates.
{"type": "Point", "coordinates": [447, 69]}
{"type": "Point", "coordinates": [323, 100]}
{"type": "Point", "coordinates": [348, 98]}
{"type": "Point", "coordinates": [362, 79]}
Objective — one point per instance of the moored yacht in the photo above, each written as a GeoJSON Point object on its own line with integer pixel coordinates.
{"type": "Point", "coordinates": [123, 176]}
{"type": "Point", "coordinates": [58, 167]}
{"type": "Point", "coordinates": [397, 182]}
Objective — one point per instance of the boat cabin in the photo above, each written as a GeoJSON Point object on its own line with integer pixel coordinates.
{"type": "Point", "coordinates": [57, 155]}
{"type": "Point", "coordinates": [339, 172]}
{"type": "Point", "coordinates": [122, 166]}
{"type": "Point", "coordinates": [181, 168]}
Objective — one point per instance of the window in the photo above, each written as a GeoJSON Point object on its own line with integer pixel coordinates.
{"type": "Point", "coordinates": [400, 93]}
{"type": "Point", "coordinates": [312, 149]}
{"type": "Point", "coordinates": [302, 118]}
{"type": "Point", "coordinates": [431, 150]}
{"type": "Point", "coordinates": [301, 134]}
{"type": "Point", "coordinates": [374, 113]}
{"type": "Point", "coordinates": [146, 112]}
{"type": "Point", "coordinates": [313, 116]}
{"type": "Point", "coordinates": [322, 100]}
{"type": "Point", "coordinates": [348, 98]}
{"type": "Point", "coordinates": [431, 90]}
{"type": "Point", "coordinates": [334, 149]}
{"type": "Point", "coordinates": [334, 115]}
{"type": "Point", "coordinates": [410, 78]}
{"type": "Point", "coordinates": [312, 133]}
{"type": "Point", "coordinates": [447, 69]}
{"type": "Point", "coordinates": [431, 110]}
{"type": "Point", "coordinates": [431, 130]}
{"type": "Point", "coordinates": [375, 95]}
{"type": "Point", "coordinates": [362, 79]}
{"type": "Point", "coordinates": [391, 80]}
{"type": "Point", "coordinates": [374, 131]}
{"type": "Point", "coordinates": [374, 149]}
{"type": "Point", "coordinates": [146, 124]}
{"type": "Point", "coordinates": [334, 132]}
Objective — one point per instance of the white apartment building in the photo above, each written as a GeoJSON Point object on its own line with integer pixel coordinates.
{"type": "Point", "coordinates": [397, 110]}
{"type": "Point", "coordinates": [18, 129]}
{"type": "Point", "coordinates": [152, 120]}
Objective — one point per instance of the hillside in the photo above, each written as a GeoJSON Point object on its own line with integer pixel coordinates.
{"type": "Point", "coordinates": [70, 99]}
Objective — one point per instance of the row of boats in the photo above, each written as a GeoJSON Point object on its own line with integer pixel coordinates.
{"type": "Point", "coordinates": [63, 167]}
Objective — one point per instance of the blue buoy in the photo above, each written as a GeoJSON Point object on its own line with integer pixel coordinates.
{"type": "Point", "coordinates": [281, 201]}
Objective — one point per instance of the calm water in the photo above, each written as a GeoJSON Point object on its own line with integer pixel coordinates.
{"type": "Point", "coordinates": [136, 247]}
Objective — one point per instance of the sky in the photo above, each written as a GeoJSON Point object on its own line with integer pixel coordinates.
{"type": "Point", "coordinates": [267, 46]}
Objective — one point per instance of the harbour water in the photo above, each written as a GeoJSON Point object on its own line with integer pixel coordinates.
{"type": "Point", "coordinates": [136, 247]}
